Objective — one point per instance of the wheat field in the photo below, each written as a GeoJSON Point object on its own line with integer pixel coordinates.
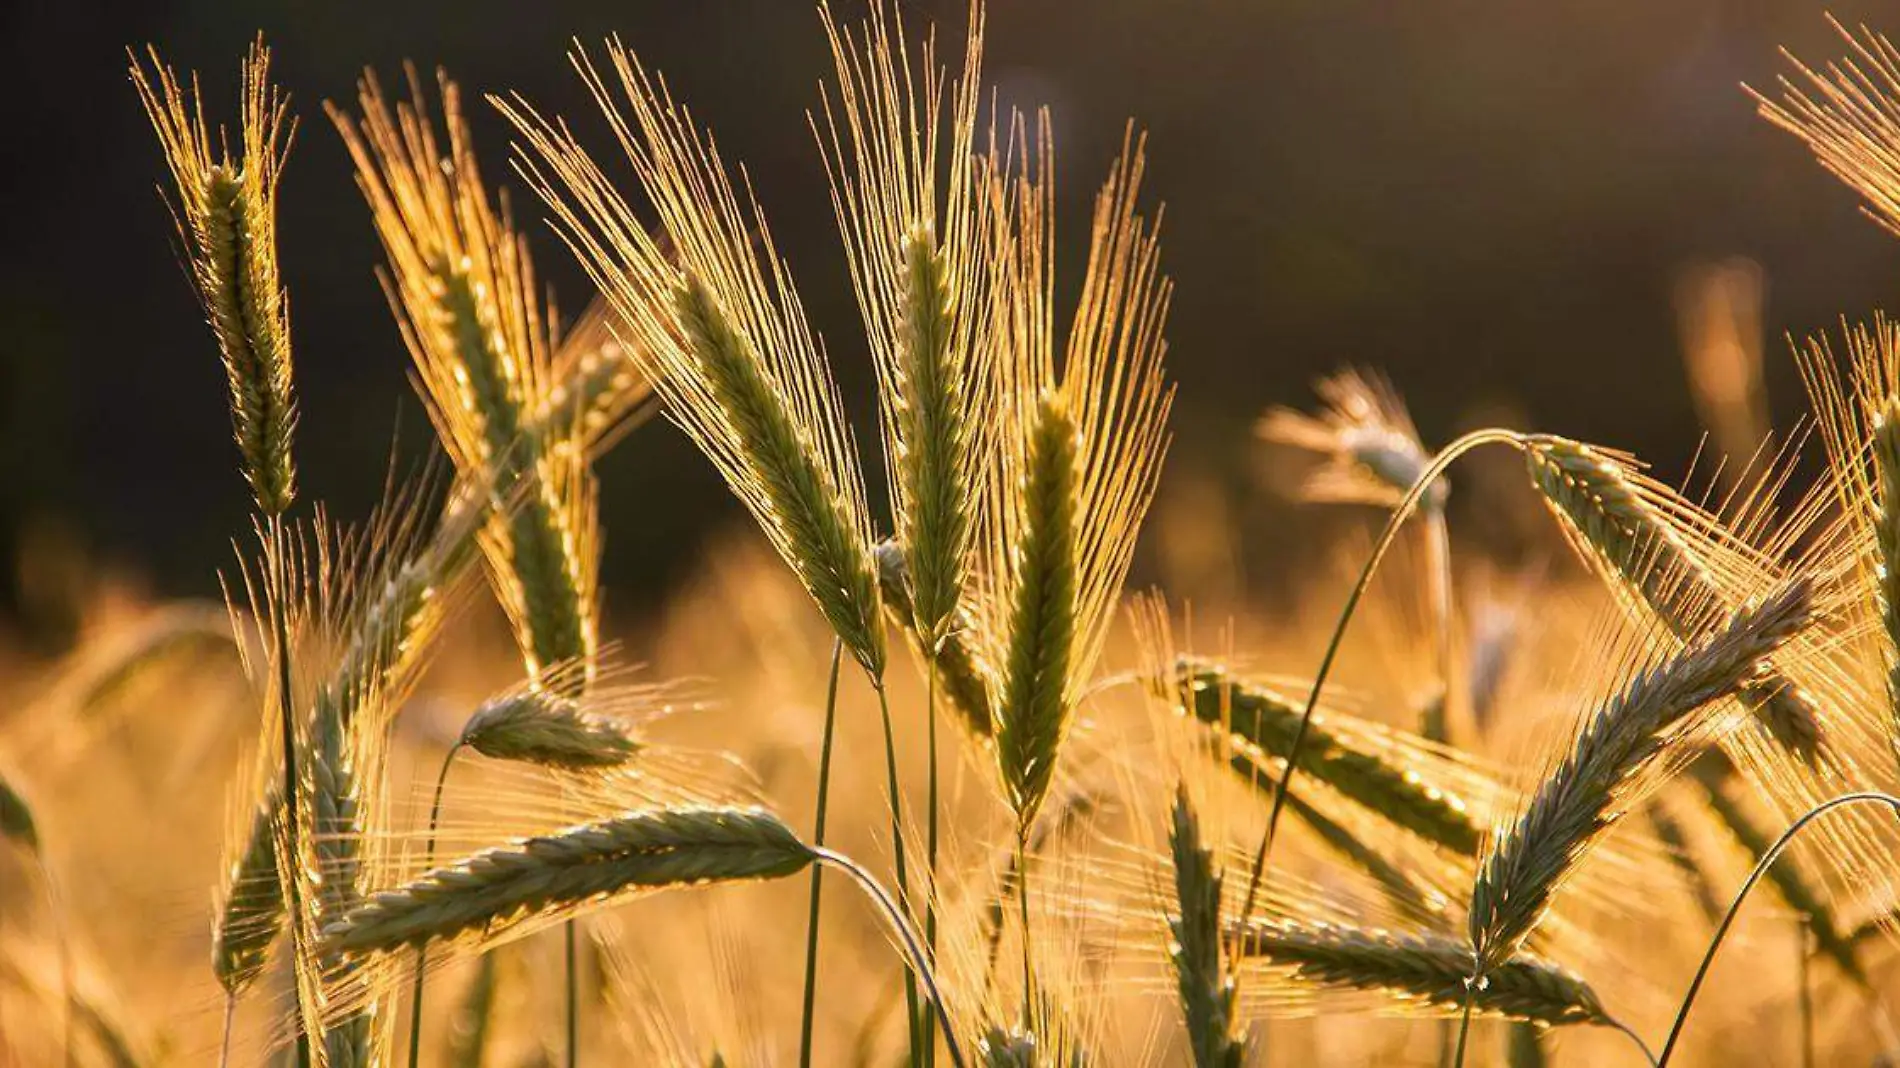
{"type": "Point", "coordinates": [913, 772]}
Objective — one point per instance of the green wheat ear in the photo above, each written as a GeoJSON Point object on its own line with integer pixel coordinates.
{"type": "Point", "coordinates": [227, 216]}
{"type": "Point", "coordinates": [1202, 977]}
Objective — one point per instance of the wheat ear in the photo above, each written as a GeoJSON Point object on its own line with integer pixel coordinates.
{"type": "Point", "coordinates": [1205, 982]}
{"type": "Point", "coordinates": [1259, 720]}
{"type": "Point", "coordinates": [1849, 115]}
{"type": "Point", "coordinates": [1422, 968]}
{"type": "Point", "coordinates": [537, 726]}
{"type": "Point", "coordinates": [712, 319]}
{"type": "Point", "coordinates": [462, 285]}
{"type": "Point", "coordinates": [251, 913]}
{"type": "Point", "coordinates": [1591, 788]}
{"type": "Point", "coordinates": [1611, 519]}
{"type": "Point", "coordinates": [226, 211]}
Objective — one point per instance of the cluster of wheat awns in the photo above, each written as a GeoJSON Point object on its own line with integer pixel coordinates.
{"type": "Point", "coordinates": [1022, 445]}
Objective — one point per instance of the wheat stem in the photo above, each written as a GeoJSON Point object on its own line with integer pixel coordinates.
{"type": "Point", "coordinates": [1405, 507]}
{"type": "Point", "coordinates": [1805, 995]}
{"type": "Point", "coordinates": [901, 926]}
{"type": "Point", "coordinates": [311, 1030]}
{"type": "Point", "coordinates": [1464, 1031]}
{"type": "Point", "coordinates": [573, 999]}
{"type": "Point", "coordinates": [230, 1019]}
{"type": "Point", "coordinates": [931, 846]}
{"type": "Point", "coordinates": [895, 797]}
{"type": "Point", "coordinates": [807, 1014]}
{"type": "Point", "coordinates": [422, 952]}
{"type": "Point", "coordinates": [1735, 907]}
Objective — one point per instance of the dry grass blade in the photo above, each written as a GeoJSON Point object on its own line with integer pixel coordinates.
{"type": "Point", "coordinates": [498, 888]}
{"type": "Point", "coordinates": [1611, 519]}
{"type": "Point", "coordinates": [463, 287]}
{"type": "Point", "coordinates": [1593, 785]}
{"type": "Point", "coordinates": [542, 727]}
{"type": "Point", "coordinates": [964, 681]}
{"type": "Point", "coordinates": [1261, 720]}
{"type": "Point", "coordinates": [226, 211]}
{"type": "Point", "coordinates": [1205, 982]}
{"type": "Point", "coordinates": [1429, 970]}
{"type": "Point", "coordinates": [711, 317]}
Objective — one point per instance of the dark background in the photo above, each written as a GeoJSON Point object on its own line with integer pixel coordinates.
{"type": "Point", "coordinates": [1487, 198]}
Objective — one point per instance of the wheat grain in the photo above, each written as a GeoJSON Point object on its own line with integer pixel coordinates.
{"type": "Point", "coordinates": [226, 213]}
{"type": "Point", "coordinates": [252, 911]}
{"type": "Point", "coordinates": [1591, 788]}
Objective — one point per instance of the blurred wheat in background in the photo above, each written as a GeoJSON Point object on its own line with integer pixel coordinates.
{"type": "Point", "coordinates": [409, 797]}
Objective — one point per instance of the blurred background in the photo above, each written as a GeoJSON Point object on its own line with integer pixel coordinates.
{"type": "Point", "coordinates": [1496, 203]}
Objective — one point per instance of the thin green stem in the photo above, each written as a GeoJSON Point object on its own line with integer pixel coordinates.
{"type": "Point", "coordinates": [817, 870]}
{"type": "Point", "coordinates": [422, 952]}
{"type": "Point", "coordinates": [1464, 1026]}
{"type": "Point", "coordinates": [1805, 997]}
{"type": "Point", "coordinates": [1767, 861]}
{"type": "Point", "coordinates": [1624, 1029]}
{"type": "Point", "coordinates": [230, 1018]}
{"type": "Point", "coordinates": [1022, 898]}
{"type": "Point", "coordinates": [573, 1001]}
{"type": "Point", "coordinates": [1405, 508]}
{"type": "Point", "coordinates": [930, 898]}
{"type": "Point", "coordinates": [286, 702]}
{"type": "Point", "coordinates": [900, 924]}
{"type": "Point", "coordinates": [897, 851]}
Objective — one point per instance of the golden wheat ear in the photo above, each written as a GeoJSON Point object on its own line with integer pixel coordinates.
{"type": "Point", "coordinates": [708, 313]}
{"type": "Point", "coordinates": [226, 211]}
{"type": "Point", "coordinates": [1079, 457]}
{"type": "Point", "coordinates": [462, 286]}
{"type": "Point", "coordinates": [898, 141]}
{"type": "Point", "coordinates": [1848, 113]}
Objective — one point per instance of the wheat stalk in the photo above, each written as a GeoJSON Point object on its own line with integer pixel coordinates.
{"type": "Point", "coordinates": [1430, 970]}
{"type": "Point", "coordinates": [1610, 518]}
{"type": "Point", "coordinates": [497, 888]}
{"type": "Point", "coordinates": [226, 212]}
{"type": "Point", "coordinates": [1205, 982]}
{"type": "Point", "coordinates": [1591, 788]}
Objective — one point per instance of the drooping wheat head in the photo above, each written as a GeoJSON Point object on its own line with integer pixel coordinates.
{"type": "Point", "coordinates": [558, 874]}
{"type": "Point", "coordinates": [1611, 760]}
{"type": "Point", "coordinates": [538, 725]}
{"type": "Point", "coordinates": [710, 316]}
{"type": "Point", "coordinates": [899, 147]}
{"type": "Point", "coordinates": [1625, 525]}
{"type": "Point", "coordinates": [463, 288]}
{"type": "Point", "coordinates": [1078, 458]}
{"type": "Point", "coordinates": [1372, 449]}
{"type": "Point", "coordinates": [226, 211]}
{"type": "Point", "coordinates": [1420, 972]}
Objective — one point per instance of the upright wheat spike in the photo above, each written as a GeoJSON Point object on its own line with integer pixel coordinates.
{"type": "Point", "coordinates": [712, 319]}
{"type": "Point", "coordinates": [462, 284]}
{"type": "Point", "coordinates": [226, 211]}
{"type": "Point", "coordinates": [1080, 454]}
{"type": "Point", "coordinates": [1610, 518]}
{"type": "Point", "coordinates": [1429, 970]}
{"type": "Point", "coordinates": [1591, 788]}
{"type": "Point", "coordinates": [1205, 982]}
